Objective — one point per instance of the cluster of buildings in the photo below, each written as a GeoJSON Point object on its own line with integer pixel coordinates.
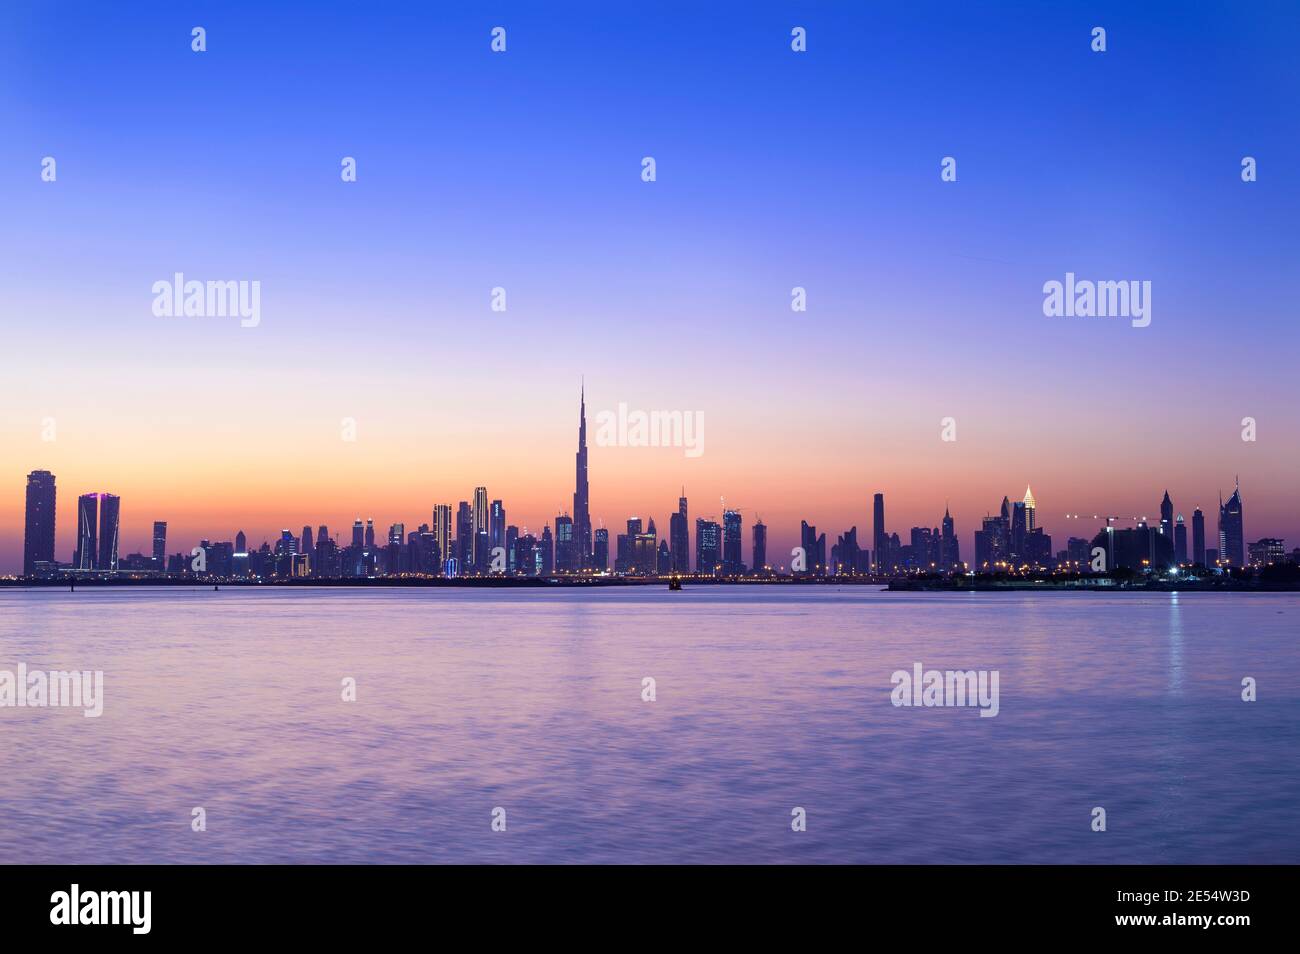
{"type": "Point", "coordinates": [475, 539]}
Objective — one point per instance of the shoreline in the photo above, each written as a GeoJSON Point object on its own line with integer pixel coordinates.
{"type": "Point", "coordinates": [955, 585]}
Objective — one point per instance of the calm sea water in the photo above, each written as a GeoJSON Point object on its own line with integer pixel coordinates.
{"type": "Point", "coordinates": [767, 699]}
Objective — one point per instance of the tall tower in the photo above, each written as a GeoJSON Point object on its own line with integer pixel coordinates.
{"type": "Point", "coordinates": [878, 531]}
{"type": "Point", "coordinates": [497, 525]}
{"type": "Point", "coordinates": [110, 508]}
{"type": "Point", "coordinates": [442, 532]}
{"type": "Point", "coordinates": [160, 545]}
{"type": "Point", "coordinates": [581, 503]}
{"type": "Point", "coordinates": [679, 538]}
{"type": "Point", "coordinates": [38, 532]}
{"type": "Point", "coordinates": [1180, 541]}
{"type": "Point", "coordinates": [1167, 517]}
{"type": "Point", "coordinates": [1198, 537]}
{"type": "Point", "coordinates": [760, 546]}
{"type": "Point", "coordinates": [732, 563]}
{"type": "Point", "coordinates": [1232, 547]}
{"type": "Point", "coordinates": [480, 545]}
{"type": "Point", "coordinates": [1031, 506]}
{"type": "Point", "coordinates": [949, 548]}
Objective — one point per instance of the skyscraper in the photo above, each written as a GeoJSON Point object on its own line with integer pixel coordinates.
{"type": "Point", "coordinates": [548, 551]}
{"type": "Point", "coordinates": [566, 552]}
{"type": "Point", "coordinates": [110, 506]}
{"type": "Point", "coordinates": [358, 534]}
{"type": "Point", "coordinates": [86, 554]}
{"type": "Point", "coordinates": [442, 533]}
{"type": "Point", "coordinates": [1167, 517]}
{"type": "Point", "coordinates": [878, 545]}
{"type": "Point", "coordinates": [97, 530]}
{"type": "Point", "coordinates": [600, 550]}
{"type": "Point", "coordinates": [1019, 529]}
{"type": "Point", "coordinates": [760, 546]}
{"type": "Point", "coordinates": [708, 546]}
{"type": "Point", "coordinates": [160, 545]}
{"type": "Point", "coordinates": [38, 528]}
{"type": "Point", "coordinates": [732, 530]}
{"type": "Point", "coordinates": [949, 546]}
{"type": "Point", "coordinates": [480, 554]}
{"type": "Point", "coordinates": [1232, 541]}
{"type": "Point", "coordinates": [497, 525]}
{"type": "Point", "coordinates": [814, 550]}
{"type": "Point", "coordinates": [1031, 509]}
{"type": "Point", "coordinates": [581, 505]}
{"type": "Point", "coordinates": [1198, 536]}
{"type": "Point", "coordinates": [464, 546]}
{"type": "Point", "coordinates": [679, 539]}
{"type": "Point", "coordinates": [1180, 541]}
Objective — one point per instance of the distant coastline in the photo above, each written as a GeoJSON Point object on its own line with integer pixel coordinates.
{"type": "Point", "coordinates": [921, 585]}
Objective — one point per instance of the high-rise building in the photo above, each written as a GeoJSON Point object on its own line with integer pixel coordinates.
{"type": "Point", "coordinates": [1031, 510]}
{"type": "Point", "coordinates": [86, 554]}
{"type": "Point", "coordinates": [548, 551]}
{"type": "Point", "coordinates": [949, 546]}
{"type": "Point", "coordinates": [760, 547]}
{"type": "Point", "coordinates": [38, 527]}
{"type": "Point", "coordinates": [1180, 541]}
{"type": "Point", "coordinates": [1232, 540]}
{"type": "Point", "coordinates": [581, 504]}
{"type": "Point", "coordinates": [358, 534]}
{"type": "Point", "coordinates": [160, 545]}
{"type": "Point", "coordinates": [109, 513]}
{"type": "Point", "coordinates": [480, 554]}
{"type": "Point", "coordinates": [566, 550]}
{"type": "Point", "coordinates": [1198, 537]}
{"type": "Point", "coordinates": [442, 533]}
{"type": "Point", "coordinates": [708, 547]}
{"type": "Point", "coordinates": [878, 544]}
{"type": "Point", "coordinates": [464, 546]}
{"type": "Point", "coordinates": [732, 530]}
{"type": "Point", "coordinates": [370, 533]}
{"type": "Point", "coordinates": [97, 531]}
{"type": "Point", "coordinates": [1266, 551]}
{"type": "Point", "coordinates": [679, 538]}
{"type": "Point", "coordinates": [1019, 529]}
{"type": "Point", "coordinates": [600, 552]}
{"type": "Point", "coordinates": [308, 544]}
{"type": "Point", "coordinates": [396, 554]}
{"type": "Point", "coordinates": [814, 550]}
{"type": "Point", "coordinates": [664, 563]}
{"type": "Point", "coordinates": [1167, 517]}
{"type": "Point", "coordinates": [845, 553]}
{"type": "Point", "coordinates": [496, 525]}
{"type": "Point", "coordinates": [644, 551]}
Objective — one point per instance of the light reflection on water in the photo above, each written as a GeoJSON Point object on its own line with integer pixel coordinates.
{"type": "Point", "coordinates": [768, 698]}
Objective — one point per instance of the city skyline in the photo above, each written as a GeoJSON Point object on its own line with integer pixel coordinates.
{"type": "Point", "coordinates": [1016, 536]}
{"type": "Point", "coordinates": [776, 170]}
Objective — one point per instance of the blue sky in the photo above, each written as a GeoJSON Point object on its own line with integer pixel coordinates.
{"type": "Point", "coordinates": [775, 169]}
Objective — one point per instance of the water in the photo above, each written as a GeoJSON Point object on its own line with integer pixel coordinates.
{"type": "Point", "coordinates": [768, 698]}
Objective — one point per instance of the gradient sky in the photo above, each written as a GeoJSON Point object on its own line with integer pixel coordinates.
{"type": "Point", "coordinates": [522, 170]}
